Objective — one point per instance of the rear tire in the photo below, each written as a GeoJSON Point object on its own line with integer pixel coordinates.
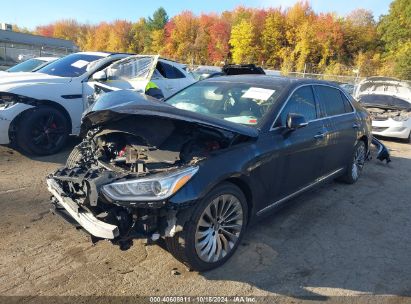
{"type": "Point", "coordinates": [214, 231]}
{"type": "Point", "coordinates": [356, 165]}
{"type": "Point", "coordinates": [42, 131]}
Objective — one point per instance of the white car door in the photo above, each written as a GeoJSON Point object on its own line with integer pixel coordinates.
{"type": "Point", "coordinates": [133, 72]}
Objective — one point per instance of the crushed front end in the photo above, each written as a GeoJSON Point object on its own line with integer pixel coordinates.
{"type": "Point", "coordinates": [117, 183]}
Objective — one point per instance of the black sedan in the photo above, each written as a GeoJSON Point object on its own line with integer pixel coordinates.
{"type": "Point", "coordinates": [196, 169]}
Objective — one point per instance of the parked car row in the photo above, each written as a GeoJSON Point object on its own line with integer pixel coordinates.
{"type": "Point", "coordinates": [39, 110]}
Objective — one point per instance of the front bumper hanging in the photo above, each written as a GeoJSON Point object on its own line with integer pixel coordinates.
{"type": "Point", "coordinates": [83, 217]}
{"type": "Point", "coordinates": [382, 152]}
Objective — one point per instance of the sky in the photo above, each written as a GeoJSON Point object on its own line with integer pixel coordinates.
{"type": "Point", "coordinates": [30, 13]}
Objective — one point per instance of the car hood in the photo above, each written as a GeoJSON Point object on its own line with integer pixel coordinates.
{"type": "Point", "coordinates": [120, 104]}
{"type": "Point", "coordinates": [29, 78]}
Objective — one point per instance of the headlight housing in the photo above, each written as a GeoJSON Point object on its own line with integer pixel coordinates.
{"type": "Point", "coordinates": [154, 188]}
{"type": "Point", "coordinates": [7, 100]}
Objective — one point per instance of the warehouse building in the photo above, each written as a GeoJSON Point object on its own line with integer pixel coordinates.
{"type": "Point", "coordinates": [16, 47]}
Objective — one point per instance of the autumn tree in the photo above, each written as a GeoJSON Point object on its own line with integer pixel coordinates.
{"type": "Point", "coordinates": [183, 35]}
{"type": "Point", "coordinates": [140, 37]}
{"type": "Point", "coordinates": [218, 47]}
{"type": "Point", "coordinates": [242, 42]}
{"type": "Point", "coordinates": [272, 38]}
{"type": "Point", "coordinates": [45, 30]}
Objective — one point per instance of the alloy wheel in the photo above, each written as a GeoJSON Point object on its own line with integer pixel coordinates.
{"type": "Point", "coordinates": [46, 132]}
{"type": "Point", "coordinates": [359, 161]}
{"type": "Point", "coordinates": [219, 228]}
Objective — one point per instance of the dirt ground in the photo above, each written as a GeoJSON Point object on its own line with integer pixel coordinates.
{"type": "Point", "coordinates": [338, 240]}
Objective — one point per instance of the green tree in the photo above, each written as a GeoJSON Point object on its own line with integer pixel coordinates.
{"type": "Point", "coordinates": [140, 39]}
{"type": "Point", "coordinates": [159, 19]}
{"type": "Point", "coordinates": [242, 42]}
{"type": "Point", "coordinates": [395, 30]}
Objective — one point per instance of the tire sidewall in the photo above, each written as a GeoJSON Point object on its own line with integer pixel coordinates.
{"type": "Point", "coordinates": [191, 225]}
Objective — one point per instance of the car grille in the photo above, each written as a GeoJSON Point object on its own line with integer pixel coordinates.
{"type": "Point", "coordinates": [379, 129]}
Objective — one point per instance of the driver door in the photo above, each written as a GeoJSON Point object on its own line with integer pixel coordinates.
{"type": "Point", "coordinates": [132, 73]}
{"type": "Point", "coordinates": [300, 152]}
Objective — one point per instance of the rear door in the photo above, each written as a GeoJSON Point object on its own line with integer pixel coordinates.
{"type": "Point", "coordinates": [341, 122]}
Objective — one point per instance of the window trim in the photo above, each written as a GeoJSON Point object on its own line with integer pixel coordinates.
{"type": "Point", "coordinates": [341, 92]}
{"type": "Point", "coordinates": [272, 128]}
{"type": "Point", "coordinates": [317, 108]}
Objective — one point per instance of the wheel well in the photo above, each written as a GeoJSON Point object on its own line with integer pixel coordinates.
{"type": "Point", "coordinates": [14, 124]}
{"type": "Point", "coordinates": [246, 191]}
{"type": "Point", "coordinates": [365, 140]}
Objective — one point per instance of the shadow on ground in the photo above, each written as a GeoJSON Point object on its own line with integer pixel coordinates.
{"type": "Point", "coordinates": [354, 238]}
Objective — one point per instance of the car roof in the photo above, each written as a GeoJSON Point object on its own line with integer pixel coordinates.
{"type": "Point", "coordinates": [266, 80]}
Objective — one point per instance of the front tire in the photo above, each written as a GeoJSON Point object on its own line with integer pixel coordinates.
{"type": "Point", "coordinates": [356, 165]}
{"type": "Point", "coordinates": [212, 234]}
{"type": "Point", "coordinates": [42, 131]}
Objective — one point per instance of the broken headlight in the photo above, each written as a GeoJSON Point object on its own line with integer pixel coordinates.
{"type": "Point", "coordinates": [7, 100]}
{"type": "Point", "coordinates": [157, 187]}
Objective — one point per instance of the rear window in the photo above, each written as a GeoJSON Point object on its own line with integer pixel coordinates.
{"type": "Point", "coordinates": [331, 101]}
{"type": "Point", "coordinates": [169, 71]}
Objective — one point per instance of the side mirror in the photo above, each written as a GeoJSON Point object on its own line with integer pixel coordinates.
{"type": "Point", "coordinates": [295, 121]}
{"type": "Point", "coordinates": [100, 76]}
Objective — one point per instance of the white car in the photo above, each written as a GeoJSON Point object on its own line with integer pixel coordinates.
{"type": "Point", "coordinates": [39, 110]}
{"type": "Point", "coordinates": [31, 64]}
{"type": "Point", "coordinates": [135, 72]}
{"type": "Point", "coordinates": [388, 101]}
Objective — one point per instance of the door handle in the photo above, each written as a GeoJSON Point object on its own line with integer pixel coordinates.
{"type": "Point", "coordinates": [355, 126]}
{"type": "Point", "coordinates": [319, 136]}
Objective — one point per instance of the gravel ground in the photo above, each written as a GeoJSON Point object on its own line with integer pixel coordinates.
{"type": "Point", "coordinates": [338, 240]}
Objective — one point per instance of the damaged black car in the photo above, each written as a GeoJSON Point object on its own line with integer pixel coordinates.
{"type": "Point", "coordinates": [196, 169]}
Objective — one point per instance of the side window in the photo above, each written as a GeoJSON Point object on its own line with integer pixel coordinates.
{"type": "Point", "coordinates": [168, 71]}
{"type": "Point", "coordinates": [347, 105]}
{"type": "Point", "coordinates": [301, 102]}
{"type": "Point", "coordinates": [331, 101]}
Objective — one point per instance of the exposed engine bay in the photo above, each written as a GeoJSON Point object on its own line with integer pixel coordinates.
{"type": "Point", "coordinates": [386, 113]}
{"type": "Point", "coordinates": [125, 151]}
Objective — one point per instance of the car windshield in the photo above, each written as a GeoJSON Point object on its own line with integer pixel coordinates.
{"type": "Point", "coordinates": [384, 100]}
{"type": "Point", "coordinates": [73, 65]}
{"type": "Point", "coordinates": [238, 102]}
{"type": "Point", "coordinates": [26, 66]}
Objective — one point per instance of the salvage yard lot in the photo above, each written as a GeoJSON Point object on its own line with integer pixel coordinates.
{"type": "Point", "coordinates": [335, 240]}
